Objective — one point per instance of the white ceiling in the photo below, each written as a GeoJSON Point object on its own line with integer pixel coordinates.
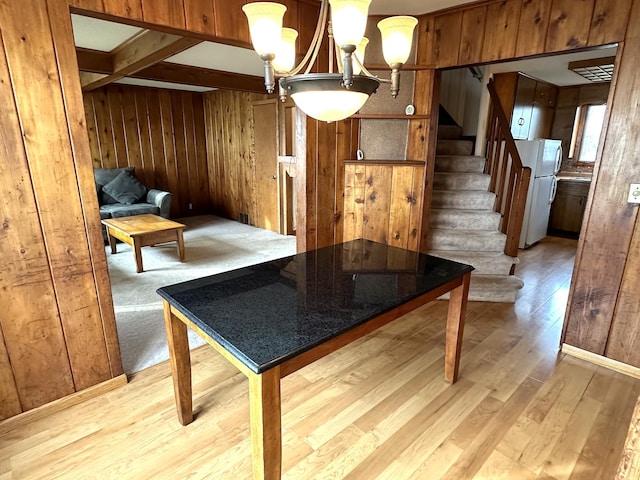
{"type": "Point", "coordinates": [105, 36]}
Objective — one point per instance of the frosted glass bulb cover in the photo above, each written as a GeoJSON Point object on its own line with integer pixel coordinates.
{"type": "Point", "coordinates": [397, 38]}
{"type": "Point", "coordinates": [349, 20]}
{"type": "Point", "coordinates": [330, 106]}
{"type": "Point", "coordinates": [265, 25]}
{"type": "Point", "coordinates": [286, 54]}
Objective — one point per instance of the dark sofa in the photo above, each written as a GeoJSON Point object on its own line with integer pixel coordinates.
{"type": "Point", "coordinates": [120, 194]}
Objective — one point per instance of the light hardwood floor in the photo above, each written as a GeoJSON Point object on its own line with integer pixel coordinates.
{"type": "Point", "coordinates": [377, 409]}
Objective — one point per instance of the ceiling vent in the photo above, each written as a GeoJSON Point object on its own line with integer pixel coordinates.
{"type": "Point", "coordinates": [594, 69]}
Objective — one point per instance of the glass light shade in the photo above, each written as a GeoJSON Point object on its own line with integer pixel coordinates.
{"type": "Point", "coordinates": [286, 54]}
{"type": "Point", "coordinates": [265, 25]}
{"type": "Point", "coordinates": [349, 20]}
{"type": "Point", "coordinates": [330, 106]}
{"type": "Point", "coordinates": [397, 38]}
{"type": "Point", "coordinates": [360, 49]}
{"type": "Point", "coordinates": [322, 96]}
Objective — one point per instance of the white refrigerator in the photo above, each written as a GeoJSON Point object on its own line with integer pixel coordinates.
{"type": "Point", "coordinates": [544, 157]}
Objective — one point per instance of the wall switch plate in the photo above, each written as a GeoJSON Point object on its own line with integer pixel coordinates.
{"type": "Point", "coordinates": [634, 193]}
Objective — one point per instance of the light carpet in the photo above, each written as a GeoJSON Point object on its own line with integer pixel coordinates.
{"type": "Point", "coordinates": [212, 245]}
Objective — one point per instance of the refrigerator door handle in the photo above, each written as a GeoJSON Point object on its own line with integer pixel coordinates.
{"type": "Point", "coordinates": [554, 190]}
{"type": "Point", "coordinates": [558, 159]}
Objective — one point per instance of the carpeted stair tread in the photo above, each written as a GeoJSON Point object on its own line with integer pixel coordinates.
{"type": "Point", "coordinates": [461, 181]}
{"type": "Point", "coordinates": [460, 163]}
{"type": "Point", "coordinates": [464, 218]}
{"type": "Point", "coordinates": [464, 239]}
{"type": "Point", "coordinates": [464, 199]}
{"type": "Point", "coordinates": [488, 263]}
{"type": "Point", "coordinates": [454, 147]}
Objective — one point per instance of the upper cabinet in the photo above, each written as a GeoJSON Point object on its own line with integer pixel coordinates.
{"type": "Point", "coordinates": [529, 103]}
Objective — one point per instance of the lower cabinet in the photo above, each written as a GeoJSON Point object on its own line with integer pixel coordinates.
{"type": "Point", "coordinates": [568, 208]}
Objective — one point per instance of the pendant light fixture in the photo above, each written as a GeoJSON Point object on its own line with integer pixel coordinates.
{"type": "Point", "coordinates": [328, 96]}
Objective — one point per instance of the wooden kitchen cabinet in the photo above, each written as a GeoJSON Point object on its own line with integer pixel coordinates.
{"type": "Point", "coordinates": [529, 104]}
{"type": "Point", "coordinates": [567, 210]}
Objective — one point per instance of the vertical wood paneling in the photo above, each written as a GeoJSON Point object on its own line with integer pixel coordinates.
{"type": "Point", "coordinates": [163, 12]}
{"type": "Point", "coordinates": [400, 205]}
{"type": "Point", "coordinates": [231, 22]}
{"type": "Point", "coordinates": [605, 244]}
{"type": "Point", "coordinates": [9, 399]}
{"type": "Point", "coordinates": [36, 89]}
{"type": "Point", "coordinates": [501, 30]}
{"type": "Point", "coordinates": [609, 21]}
{"type": "Point", "coordinates": [353, 202]}
{"type": "Point", "coordinates": [91, 5]}
{"type": "Point", "coordinates": [473, 21]}
{"type": "Point", "coordinates": [624, 338]}
{"type": "Point", "coordinates": [569, 24]}
{"type": "Point", "coordinates": [534, 23]}
{"type": "Point", "coordinates": [377, 203]}
{"type": "Point", "coordinates": [229, 156]}
{"type": "Point", "coordinates": [32, 333]}
{"type": "Point", "coordinates": [199, 16]}
{"type": "Point", "coordinates": [447, 30]}
{"type": "Point", "coordinates": [62, 34]}
{"type": "Point", "coordinates": [325, 183]}
{"type": "Point", "coordinates": [160, 133]}
{"type": "Point", "coordinates": [311, 174]}
{"type": "Point", "coordinates": [124, 8]}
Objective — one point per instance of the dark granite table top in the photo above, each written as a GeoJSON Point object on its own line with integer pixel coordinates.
{"type": "Point", "coordinates": [268, 313]}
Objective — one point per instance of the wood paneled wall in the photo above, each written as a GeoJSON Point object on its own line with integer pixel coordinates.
{"type": "Point", "coordinates": [604, 298]}
{"type": "Point", "coordinates": [562, 129]}
{"type": "Point", "coordinates": [383, 202]}
{"type": "Point", "coordinates": [159, 132]}
{"type": "Point", "coordinates": [57, 322]}
{"type": "Point", "coordinates": [511, 29]}
{"type": "Point", "coordinates": [321, 179]}
{"type": "Point", "coordinates": [230, 156]}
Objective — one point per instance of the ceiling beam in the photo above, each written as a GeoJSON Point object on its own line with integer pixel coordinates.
{"type": "Point", "coordinates": [138, 53]}
{"type": "Point", "coordinates": [203, 77]}
{"type": "Point", "coordinates": [97, 62]}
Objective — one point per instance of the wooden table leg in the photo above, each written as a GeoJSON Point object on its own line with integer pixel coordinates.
{"type": "Point", "coordinates": [455, 328]}
{"type": "Point", "coordinates": [137, 254]}
{"type": "Point", "coordinates": [180, 240]}
{"type": "Point", "coordinates": [180, 364]}
{"type": "Point", "coordinates": [266, 429]}
{"type": "Point", "coordinates": [112, 241]}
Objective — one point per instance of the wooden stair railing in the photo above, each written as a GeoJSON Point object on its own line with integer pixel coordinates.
{"type": "Point", "coordinates": [509, 179]}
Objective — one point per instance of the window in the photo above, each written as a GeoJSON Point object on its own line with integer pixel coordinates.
{"type": "Point", "coordinates": [586, 133]}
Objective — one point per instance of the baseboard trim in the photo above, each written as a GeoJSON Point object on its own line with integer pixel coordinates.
{"type": "Point", "coordinates": [64, 402]}
{"type": "Point", "coordinates": [609, 363]}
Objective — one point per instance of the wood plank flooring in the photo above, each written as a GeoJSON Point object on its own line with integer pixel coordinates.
{"type": "Point", "coordinates": [377, 409]}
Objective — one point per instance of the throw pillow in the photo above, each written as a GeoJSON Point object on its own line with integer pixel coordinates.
{"type": "Point", "coordinates": [125, 188]}
{"type": "Point", "coordinates": [103, 176]}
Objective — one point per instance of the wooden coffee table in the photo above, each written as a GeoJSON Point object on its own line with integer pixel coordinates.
{"type": "Point", "coordinates": [143, 231]}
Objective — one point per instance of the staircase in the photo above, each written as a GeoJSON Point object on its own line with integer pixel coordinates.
{"type": "Point", "coordinates": [463, 225]}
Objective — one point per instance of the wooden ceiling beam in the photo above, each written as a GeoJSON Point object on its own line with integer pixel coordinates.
{"type": "Point", "coordinates": [96, 66]}
{"type": "Point", "coordinates": [203, 77]}
{"type": "Point", "coordinates": [140, 52]}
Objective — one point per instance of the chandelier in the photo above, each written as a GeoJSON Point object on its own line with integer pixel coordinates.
{"type": "Point", "coordinates": [328, 96]}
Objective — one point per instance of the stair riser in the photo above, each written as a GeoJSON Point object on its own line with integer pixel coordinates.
{"type": "Point", "coordinates": [449, 132]}
{"type": "Point", "coordinates": [461, 182]}
{"type": "Point", "coordinates": [454, 147]}
{"type": "Point", "coordinates": [464, 200]}
{"type": "Point", "coordinates": [470, 221]}
{"type": "Point", "coordinates": [460, 164]}
{"type": "Point", "coordinates": [444, 240]}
